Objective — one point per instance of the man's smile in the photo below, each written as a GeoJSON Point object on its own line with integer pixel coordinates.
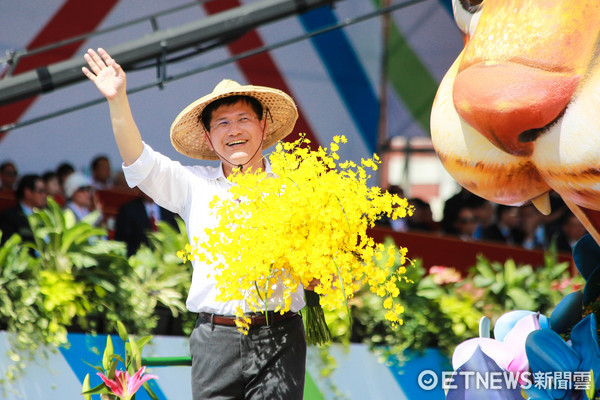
{"type": "Point", "coordinates": [236, 142]}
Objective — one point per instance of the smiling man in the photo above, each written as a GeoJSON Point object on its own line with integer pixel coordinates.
{"type": "Point", "coordinates": [232, 124]}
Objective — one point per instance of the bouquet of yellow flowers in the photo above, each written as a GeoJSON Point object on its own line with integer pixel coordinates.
{"type": "Point", "coordinates": [305, 223]}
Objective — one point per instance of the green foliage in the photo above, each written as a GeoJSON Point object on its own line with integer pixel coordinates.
{"type": "Point", "coordinates": [72, 278]}
{"type": "Point", "coordinates": [159, 276]}
{"type": "Point", "coordinates": [510, 287]}
{"type": "Point", "coordinates": [436, 315]}
{"type": "Point", "coordinates": [442, 308]}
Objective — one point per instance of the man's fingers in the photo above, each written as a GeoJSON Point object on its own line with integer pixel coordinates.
{"type": "Point", "coordinates": [88, 73]}
{"type": "Point", "coordinates": [106, 57]}
{"type": "Point", "coordinates": [97, 63]}
{"type": "Point", "coordinates": [91, 62]}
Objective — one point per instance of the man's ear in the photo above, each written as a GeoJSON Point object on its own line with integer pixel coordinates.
{"type": "Point", "coordinates": [207, 138]}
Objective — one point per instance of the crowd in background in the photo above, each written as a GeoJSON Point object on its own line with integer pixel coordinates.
{"type": "Point", "coordinates": [465, 215]}
{"type": "Point", "coordinates": [78, 192]}
{"type": "Point", "coordinates": [470, 217]}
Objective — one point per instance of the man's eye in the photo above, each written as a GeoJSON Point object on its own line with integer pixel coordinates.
{"type": "Point", "coordinates": [244, 119]}
{"type": "Point", "coordinates": [222, 124]}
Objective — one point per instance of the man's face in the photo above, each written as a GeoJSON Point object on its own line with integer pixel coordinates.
{"type": "Point", "coordinates": [236, 134]}
{"type": "Point", "coordinates": [102, 171]}
{"type": "Point", "coordinates": [9, 176]}
{"type": "Point", "coordinates": [37, 198]}
{"type": "Point", "coordinates": [83, 197]}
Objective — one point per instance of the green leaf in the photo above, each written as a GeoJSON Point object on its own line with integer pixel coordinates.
{"type": "Point", "coordinates": [136, 355]}
{"type": "Point", "coordinates": [141, 342]}
{"type": "Point", "coordinates": [97, 368]}
{"type": "Point", "coordinates": [100, 389]}
{"type": "Point", "coordinates": [149, 391]}
{"type": "Point", "coordinates": [509, 272]}
{"type": "Point", "coordinates": [522, 300]}
{"type": "Point", "coordinates": [113, 368]}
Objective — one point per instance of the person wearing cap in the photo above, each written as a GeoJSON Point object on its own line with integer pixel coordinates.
{"type": "Point", "coordinates": [80, 197]}
{"type": "Point", "coordinates": [233, 124]}
{"type": "Point", "coordinates": [78, 191]}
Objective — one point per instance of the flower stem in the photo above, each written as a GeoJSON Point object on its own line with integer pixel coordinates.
{"type": "Point", "coordinates": [317, 332]}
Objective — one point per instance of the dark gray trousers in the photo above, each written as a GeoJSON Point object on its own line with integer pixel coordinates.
{"type": "Point", "coordinates": [268, 363]}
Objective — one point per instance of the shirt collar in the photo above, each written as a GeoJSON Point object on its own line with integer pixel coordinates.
{"type": "Point", "coordinates": [217, 173]}
{"type": "Point", "coordinates": [26, 209]}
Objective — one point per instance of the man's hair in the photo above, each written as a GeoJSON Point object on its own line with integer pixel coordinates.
{"type": "Point", "coordinates": [7, 164]}
{"type": "Point", "coordinates": [63, 170]}
{"type": "Point", "coordinates": [206, 115]}
{"type": "Point", "coordinates": [26, 182]}
{"type": "Point", "coordinates": [46, 176]}
{"type": "Point", "coordinates": [97, 160]}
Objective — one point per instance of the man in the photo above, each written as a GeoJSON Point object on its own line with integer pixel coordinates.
{"type": "Point", "coordinates": [101, 172]}
{"type": "Point", "coordinates": [233, 124]}
{"type": "Point", "coordinates": [506, 228]}
{"type": "Point", "coordinates": [31, 195]}
{"type": "Point", "coordinates": [138, 217]}
{"type": "Point", "coordinates": [8, 176]}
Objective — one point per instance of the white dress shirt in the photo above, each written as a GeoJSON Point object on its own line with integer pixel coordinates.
{"type": "Point", "coordinates": [187, 191]}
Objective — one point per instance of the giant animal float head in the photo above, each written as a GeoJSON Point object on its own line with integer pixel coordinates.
{"type": "Point", "coordinates": [518, 113]}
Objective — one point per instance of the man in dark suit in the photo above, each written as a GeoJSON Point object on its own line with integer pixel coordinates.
{"type": "Point", "coordinates": [31, 194]}
{"type": "Point", "coordinates": [506, 228]}
{"type": "Point", "coordinates": [137, 218]}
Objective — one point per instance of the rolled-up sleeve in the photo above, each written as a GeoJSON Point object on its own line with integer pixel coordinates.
{"type": "Point", "coordinates": [139, 170]}
{"type": "Point", "coordinates": [166, 181]}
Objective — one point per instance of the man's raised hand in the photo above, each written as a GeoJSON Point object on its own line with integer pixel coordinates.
{"type": "Point", "coordinates": [104, 71]}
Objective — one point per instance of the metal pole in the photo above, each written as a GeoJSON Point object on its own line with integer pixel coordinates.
{"type": "Point", "coordinates": [239, 19]}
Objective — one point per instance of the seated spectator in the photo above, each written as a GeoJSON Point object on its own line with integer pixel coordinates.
{"type": "Point", "coordinates": [31, 195]}
{"type": "Point", "coordinates": [422, 218]}
{"type": "Point", "coordinates": [484, 212]}
{"type": "Point", "coordinates": [465, 223]}
{"type": "Point", "coordinates": [553, 221]}
{"type": "Point", "coordinates": [119, 181]}
{"type": "Point", "coordinates": [8, 176]}
{"type": "Point", "coordinates": [63, 171]}
{"type": "Point", "coordinates": [79, 195]}
{"type": "Point", "coordinates": [571, 230]}
{"type": "Point", "coordinates": [452, 206]}
{"type": "Point", "coordinates": [534, 232]}
{"type": "Point", "coordinates": [506, 228]}
{"type": "Point", "coordinates": [101, 172]}
{"type": "Point", "coordinates": [138, 217]}
{"type": "Point", "coordinates": [53, 187]}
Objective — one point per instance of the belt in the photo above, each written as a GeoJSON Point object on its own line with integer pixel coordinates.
{"type": "Point", "coordinates": [255, 319]}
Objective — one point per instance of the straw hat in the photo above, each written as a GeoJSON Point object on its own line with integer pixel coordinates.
{"type": "Point", "coordinates": [187, 131]}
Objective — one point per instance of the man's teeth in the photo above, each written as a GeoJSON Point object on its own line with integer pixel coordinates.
{"type": "Point", "coordinates": [236, 142]}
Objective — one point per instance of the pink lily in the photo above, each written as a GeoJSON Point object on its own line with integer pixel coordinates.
{"type": "Point", "coordinates": [125, 386]}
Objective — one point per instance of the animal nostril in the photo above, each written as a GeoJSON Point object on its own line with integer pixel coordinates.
{"type": "Point", "coordinates": [530, 135]}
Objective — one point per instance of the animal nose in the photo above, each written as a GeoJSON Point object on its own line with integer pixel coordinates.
{"type": "Point", "coordinates": [511, 103]}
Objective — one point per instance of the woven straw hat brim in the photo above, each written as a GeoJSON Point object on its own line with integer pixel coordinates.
{"type": "Point", "coordinates": [187, 130]}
